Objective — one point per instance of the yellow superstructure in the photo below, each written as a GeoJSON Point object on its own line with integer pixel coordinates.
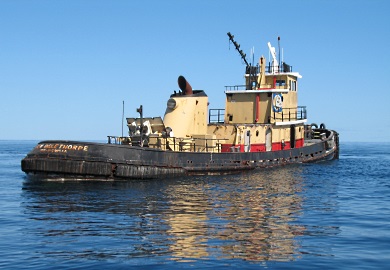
{"type": "Point", "coordinates": [262, 115]}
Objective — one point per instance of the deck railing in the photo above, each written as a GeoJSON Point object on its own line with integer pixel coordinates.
{"type": "Point", "coordinates": [172, 143]}
{"type": "Point", "coordinates": [235, 87]}
{"type": "Point", "coordinates": [287, 114]}
{"type": "Point", "coordinates": [283, 68]}
{"type": "Point", "coordinates": [253, 87]}
{"type": "Point", "coordinates": [291, 114]}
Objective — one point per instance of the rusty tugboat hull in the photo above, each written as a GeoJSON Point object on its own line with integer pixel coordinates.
{"type": "Point", "coordinates": [261, 126]}
{"type": "Point", "coordinates": [83, 160]}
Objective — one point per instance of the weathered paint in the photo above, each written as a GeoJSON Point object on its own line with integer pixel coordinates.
{"type": "Point", "coordinates": [129, 162]}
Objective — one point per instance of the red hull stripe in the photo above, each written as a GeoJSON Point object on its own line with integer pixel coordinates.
{"type": "Point", "coordinates": [260, 147]}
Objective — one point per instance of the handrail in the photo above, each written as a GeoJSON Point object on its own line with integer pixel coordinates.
{"type": "Point", "coordinates": [181, 144]}
{"type": "Point", "coordinates": [290, 114]}
{"type": "Point", "coordinates": [235, 87]}
{"type": "Point", "coordinates": [210, 145]}
{"type": "Point", "coordinates": [284, 68]}
{"type": "Point", "coordinates": [265, 87]}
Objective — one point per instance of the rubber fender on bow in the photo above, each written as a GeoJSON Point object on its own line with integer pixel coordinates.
{"type": "Point", "coordinates": [314, 125]}
{"type": "Point", "coordinates": [322, 126]}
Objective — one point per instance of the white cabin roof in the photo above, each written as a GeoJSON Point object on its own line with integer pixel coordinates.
{"type": "Point", "coordinates": [273, 90]}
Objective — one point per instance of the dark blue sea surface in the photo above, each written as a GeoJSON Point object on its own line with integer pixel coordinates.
{"type": "Point", "coordinates": [331, 215]}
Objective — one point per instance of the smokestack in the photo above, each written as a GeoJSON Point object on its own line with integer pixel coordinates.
{"type": "Point", "coordinates": [184, 85]}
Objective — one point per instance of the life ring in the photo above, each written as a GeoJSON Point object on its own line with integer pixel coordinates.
{"type": "Point", "coordinates": [314, 125]}
{"type": "Point", "coordinates": [322, 126]}
{"type": "Point", "coordinates": [277, 102]}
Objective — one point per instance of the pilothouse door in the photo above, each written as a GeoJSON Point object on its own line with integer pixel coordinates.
{"type": "Point", "coordinates": [268, 140]}
{"type": "Point", "coordinates": [247, 141]}
{"type": "Point", "coordinates": [292, 136]}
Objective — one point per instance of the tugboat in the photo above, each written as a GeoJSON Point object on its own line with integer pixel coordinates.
{"type": "Point", "coordinates": [261, 126]}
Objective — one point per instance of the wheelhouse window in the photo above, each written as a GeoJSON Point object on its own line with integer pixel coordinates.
{"type": "Point", "coordinates": [293, 85]}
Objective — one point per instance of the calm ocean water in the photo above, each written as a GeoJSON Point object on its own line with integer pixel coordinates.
{"type": "Point", "coordinates": [332, 215]}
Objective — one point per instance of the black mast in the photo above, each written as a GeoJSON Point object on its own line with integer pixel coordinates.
{"type": "Point", "coordinates": [243, 55]}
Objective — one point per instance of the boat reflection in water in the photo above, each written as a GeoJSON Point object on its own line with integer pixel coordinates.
{"type": "Point", "coordinates": [250, 217]}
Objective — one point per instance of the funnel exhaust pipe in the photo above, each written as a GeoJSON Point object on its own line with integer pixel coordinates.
{"type": "Point", "coordinates": [184, 85]}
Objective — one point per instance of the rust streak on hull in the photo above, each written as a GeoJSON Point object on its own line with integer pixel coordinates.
{"type": "Point", "coordinates": [128, 162]}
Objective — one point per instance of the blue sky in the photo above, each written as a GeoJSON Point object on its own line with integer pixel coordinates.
{"type": "Point", "coordinates": [66, 66]}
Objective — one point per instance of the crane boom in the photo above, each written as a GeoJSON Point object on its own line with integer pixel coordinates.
{"type": "Point", "coordinates": [243, 55]}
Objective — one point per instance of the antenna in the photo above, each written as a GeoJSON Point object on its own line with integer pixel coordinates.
{"type": "Point", "coordinates": [279, 51]}
{"type": "Point", "coordinates": [253, 55]}
{"type": "Point", "coordinates": [123, 114]}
